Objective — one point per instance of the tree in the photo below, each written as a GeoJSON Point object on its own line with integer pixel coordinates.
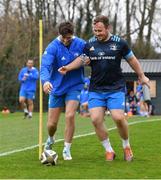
{"type": "Point", "coordinates": [130, 11]}
{"type": "Point", "coordinates": [19, 29]}
{"type": "Point", "coordinates": [151, 12]}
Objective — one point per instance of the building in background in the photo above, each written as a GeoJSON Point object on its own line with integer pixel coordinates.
{"type": "Point", "coordinates": [152, 69]}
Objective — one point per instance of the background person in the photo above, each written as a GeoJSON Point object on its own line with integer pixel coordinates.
{"type": "Point", "coordinates": [63, 90]}
{"type": "Point", "coordinates": [147, 100]}
{"type": "Point", "coordinates": [107, 85]}
{"type": "Point", "coordinates": [84, 101]}
{"type": "Point", "coordinates": [5, 110]}
{"type": "Point", "coordinates": [144, 100]}
{"type": "Point", "coordinates": [28, 77]}
{"type": "Point", "coordinates": [133, 102]}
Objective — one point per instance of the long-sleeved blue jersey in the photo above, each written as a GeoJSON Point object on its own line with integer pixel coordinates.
{"type": "Point", "coordinates": [32, 76]}
{"type": "Point", "coordinates": [57, 55]}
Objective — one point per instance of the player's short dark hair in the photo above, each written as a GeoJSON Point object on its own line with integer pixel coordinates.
{"type": "Point", "coordinates": [66, 28]}
{"type": "Point", "coordinates": [103, 19]}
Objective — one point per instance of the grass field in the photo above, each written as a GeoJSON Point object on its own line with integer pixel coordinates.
{"type": "Point", "coordinates": [88, 155]}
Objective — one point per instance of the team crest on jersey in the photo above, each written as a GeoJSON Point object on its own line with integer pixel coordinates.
{"type": "Point", "coordinates": [101, 53]}
{"type": "Point", "coordinates": [113, 47]}
{"type": "Point", "coordinates": [92, 48]}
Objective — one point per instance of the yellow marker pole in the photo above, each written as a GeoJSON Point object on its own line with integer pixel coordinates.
{"type": "Point", "coordinates": [40, 89]}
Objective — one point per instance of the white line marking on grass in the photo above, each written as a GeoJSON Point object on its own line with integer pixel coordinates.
{"type": "Point", "coordinates": [77, 136]}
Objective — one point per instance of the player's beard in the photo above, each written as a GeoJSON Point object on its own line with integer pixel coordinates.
{"type": "Point", "coordinates": [103, 38]}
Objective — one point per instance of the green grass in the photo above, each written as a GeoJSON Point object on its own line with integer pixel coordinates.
{"type": "Point", "coordinates": [16, 132]}
{"type": "Point", "coordinates": [88, 155]}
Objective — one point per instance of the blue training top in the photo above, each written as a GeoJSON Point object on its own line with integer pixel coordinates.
{"type": "Point", "coordinates": [30, 83]}
{"type": "Point", "coordinates": [57, 55]}
{"type": "Point", "coordinates": [105, 59]}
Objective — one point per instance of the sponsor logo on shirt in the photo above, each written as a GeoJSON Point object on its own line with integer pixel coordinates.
{"type": "Point", "coordinates": [76, 54]}
{"type": "Point", "coordinates": [123, 104]}
{"type": "Point", "coordinates": [78, 97]}
{"type": "Point", "coordinates": [45, 52]}
{"type": "Point", "coordinates": [103, 58]}
{"type": "Point", "coordinates": [63, 58]}
{"type": "Point", "coordinates": [92, 48]}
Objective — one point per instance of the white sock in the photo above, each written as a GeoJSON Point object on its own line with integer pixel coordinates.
{"type": "Point", "coordinates": [125, 143]}
{"type": "Point", "coordinates": [107, 145]}
{"type": "Point", "coordinates": [67, 146]}
{"type": "Point", "coordinates": [25, 110]}
{"type": "Point", "coordinates": [51, 139]}
{"type": "Point", "coordinates": [30, 113]}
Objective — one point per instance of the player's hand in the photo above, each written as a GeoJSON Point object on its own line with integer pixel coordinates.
{"type": "Point", "coordinates": [63, 70]}
{"type": "Point", "coordinates": [144, 80]}
{"type": "Point", "coordinates": [25, 76]}
{"type": "Point", "coordinates": [87, 61]}
{"type": "Point", "coordinates": [47, 87]}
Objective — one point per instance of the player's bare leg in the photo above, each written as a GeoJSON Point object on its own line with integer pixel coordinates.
{"type": "Point", "coordinates": [122, 125]}
{"type": "Point", "coordinates": [53, 117]}
{"type": "Point", "coordinates": [71, 108]}
{"type": "Point", "coordinates": [30, 107]}
{"type": "Point", "coordinates": [97, 116]}
{"type": "Point", "coordinates": [23, 105]}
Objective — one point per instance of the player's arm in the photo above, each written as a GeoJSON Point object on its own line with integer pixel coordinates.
{"type": "Point", "coordinates": [46, 67]}
{"type": "Point", "coordinates": [77, 63]}
{"type": "Point", "coordinates": [22, 76]}
{"type": "Point", "coordinates": [47, 87]}
{"type": "Point", "coordinates": [135, 65]}
{"type": "Point", "coordinates": [36, 74]}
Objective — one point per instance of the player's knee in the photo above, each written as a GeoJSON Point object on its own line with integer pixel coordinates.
{"type": "Point", "coordinates": [52, 125]}
{"type": "Point", "coordinates": [21, 101]}
{"type": "Point", "coordinates": [118, 118]}
{"type": "Point", "coordinates": [96, 122]}
{"type": "Point", "coordinates": [30, 103]}
{"type": "Point", "coordinates": [70, 115]}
